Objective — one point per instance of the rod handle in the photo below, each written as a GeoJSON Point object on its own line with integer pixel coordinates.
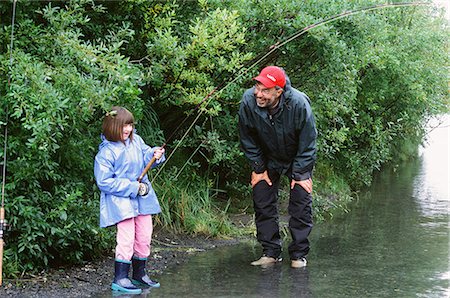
{"type": "Point", "coordinates": [1, 261]}
{"type": "Point", "coordinates": [147, 167]}
{"type": "Point", "coordinates": [2, 219]}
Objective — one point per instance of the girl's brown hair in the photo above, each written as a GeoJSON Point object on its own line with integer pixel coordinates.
{"type": "Point", "coordinates": [114, 122]}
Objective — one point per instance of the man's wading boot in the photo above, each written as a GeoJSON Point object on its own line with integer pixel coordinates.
{"type": "Point", "coordinates": [121, 281]}
{"type": "Point", "coordinates": [141, 278]}
{"type": "Point", "coordinates": [300, 263]}
{"type": "Point", "coordinates": [265, 261]}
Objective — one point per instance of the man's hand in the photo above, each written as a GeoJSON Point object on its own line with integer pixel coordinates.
{"type": "Point", "coordinates": [259, 177]}
{"type": "Point", "coordinates": [306, 184]}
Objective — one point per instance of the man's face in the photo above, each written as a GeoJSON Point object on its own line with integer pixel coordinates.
{"type": "Point", "coordinates": [267, 97]}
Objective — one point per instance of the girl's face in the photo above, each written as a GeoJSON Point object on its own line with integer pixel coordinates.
{"type": "Point", "coordinates": [127, 129]}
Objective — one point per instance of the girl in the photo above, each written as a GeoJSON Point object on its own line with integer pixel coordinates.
{"type": "Point", "coordinates": [124, 201]}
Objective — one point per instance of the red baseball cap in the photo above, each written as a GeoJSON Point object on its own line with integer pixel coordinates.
{"type": "Point", "coordinates": [271, 76]}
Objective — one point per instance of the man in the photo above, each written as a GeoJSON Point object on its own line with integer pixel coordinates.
{"type": "Point", "coordinates": [278, 136]}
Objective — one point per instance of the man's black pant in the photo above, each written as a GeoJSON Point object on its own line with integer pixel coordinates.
{"type": "Point", "coordinates": [265, 203]}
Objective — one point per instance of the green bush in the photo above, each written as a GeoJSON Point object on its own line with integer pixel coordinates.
{"type": "Point", "coordinates": [61, 86]}
{"type": "Point", "coordinates": [374, 79]}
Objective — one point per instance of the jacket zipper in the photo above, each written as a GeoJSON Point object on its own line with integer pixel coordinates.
{"type": "Point", "coordinates": [271, 120]}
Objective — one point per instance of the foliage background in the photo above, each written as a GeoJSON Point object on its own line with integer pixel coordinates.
{"type": "Point", "coordinates": [374, 79]}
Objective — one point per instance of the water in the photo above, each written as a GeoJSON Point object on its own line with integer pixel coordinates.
{"type": "Point", "coordinates": [393, 243]}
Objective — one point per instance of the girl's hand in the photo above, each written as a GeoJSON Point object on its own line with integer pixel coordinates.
{"type": "Point", "coordinates": [159, 153]}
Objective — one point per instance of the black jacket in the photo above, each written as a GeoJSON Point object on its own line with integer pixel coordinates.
{"type": "Point", "coordinates": [286, 141]}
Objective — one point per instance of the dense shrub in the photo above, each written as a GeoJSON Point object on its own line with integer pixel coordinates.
{"type": "Point", "coordinates": [374, 78]}
{"type": "Point", "coordinates": [61, 85]}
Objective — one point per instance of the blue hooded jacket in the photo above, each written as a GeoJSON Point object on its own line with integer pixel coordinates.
{"type": "Point", "coordinates": [117, 167]}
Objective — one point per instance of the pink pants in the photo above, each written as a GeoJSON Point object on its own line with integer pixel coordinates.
{"type": "Point", "coordinates": [133, 237]}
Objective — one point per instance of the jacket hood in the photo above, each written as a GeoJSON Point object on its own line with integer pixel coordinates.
{"type": "Point", "coordinates": [287, 88]}
{"type": "Point", "coordinates": [104, 142]}
{"type": "Point", "coordinates": [288, 83]}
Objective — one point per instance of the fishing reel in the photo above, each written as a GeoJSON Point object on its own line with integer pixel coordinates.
{"type": "Point", "coordinates": [4, 226]}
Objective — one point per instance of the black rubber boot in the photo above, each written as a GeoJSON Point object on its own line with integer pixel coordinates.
{"type": "Point", "coordinates": [139, 276]}
{"type": "Point", "coordinates": [121, 281]}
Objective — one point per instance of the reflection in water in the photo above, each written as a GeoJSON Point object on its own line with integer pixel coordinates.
{"type": "Point", "coordinates": [393, 243]}
{"type": "Point", "coordinates": [381, 248]}
{"type": "Point", "coordinates": [279, 281]}
{"type": "Point", "coordinates": [432, 184]}
{"type": "Point", "coordinates": [432, 192]}
{"type": "Point", "coordinates": [226, 272]}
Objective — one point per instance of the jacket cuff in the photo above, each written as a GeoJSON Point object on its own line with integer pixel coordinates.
{"type": "Point", "coordinates": [135, 186]}
{"type": "Point", "coordinates": [258, 167]}
{"type": "Point", "coordinates": [301, 177]}
{"type": "Point", "coordinates": [303, 174]}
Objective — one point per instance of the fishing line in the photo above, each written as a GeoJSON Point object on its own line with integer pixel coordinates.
{"type": "Point", "coordinates": [244, 70]}
{"type": "Point", "coordinates": [7, 116]}
{"type": "Point", "coordinates": [2, 209]}
{"type": "Point", "coordinates": [278, 45]}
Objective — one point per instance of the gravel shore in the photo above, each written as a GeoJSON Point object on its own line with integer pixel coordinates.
{"type": "Point", "coordinates": [85, 281]}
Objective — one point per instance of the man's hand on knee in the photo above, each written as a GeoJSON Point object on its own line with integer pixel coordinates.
{"type": "Point", "coordinates": [259, 177]}
{"type": "Point", "coordinates": [307, 185]}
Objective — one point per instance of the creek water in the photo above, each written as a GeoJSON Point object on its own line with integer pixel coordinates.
{"type": "Point", "coordinates": [394, 242]}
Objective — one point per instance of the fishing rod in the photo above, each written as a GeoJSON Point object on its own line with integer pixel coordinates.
{"type": "Point", "coordinates": [333, 18]}
{"type": "Point", "coordinates": [3, 223]}
{"type": "Point", "coordinates": [152, 161]}
{"type": "Point", "coordinates": [245, 69]}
